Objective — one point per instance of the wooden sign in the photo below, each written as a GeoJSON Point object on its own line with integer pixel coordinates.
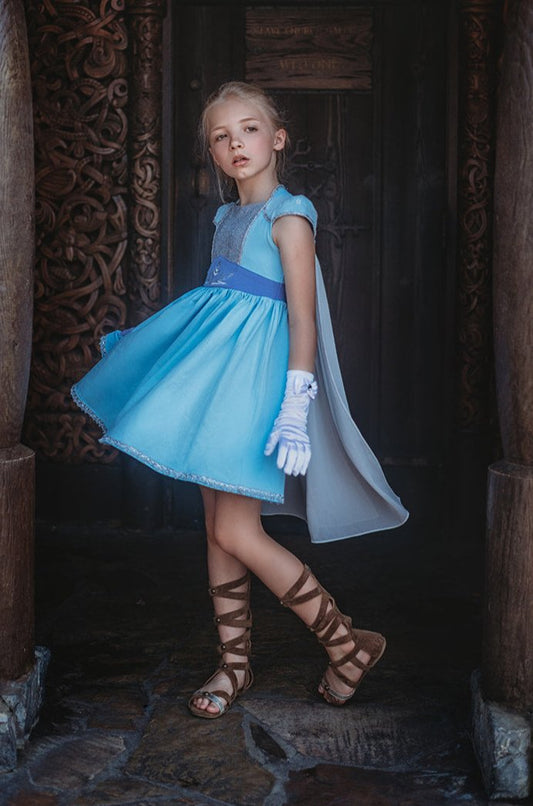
{"type": "Point", "coordinates": [316, 48]}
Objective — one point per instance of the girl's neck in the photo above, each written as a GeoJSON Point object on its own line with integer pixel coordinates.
{"type": "Point", "coordinates": [258, 191]}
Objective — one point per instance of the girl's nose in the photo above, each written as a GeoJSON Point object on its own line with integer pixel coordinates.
{"type": "Point", "coordinates": [235, 142]}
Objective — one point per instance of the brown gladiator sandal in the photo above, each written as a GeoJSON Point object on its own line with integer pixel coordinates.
{"type": "Point", "coordinates": [240, 645]}
{"type": "Point", "coordinates": [325, 625]}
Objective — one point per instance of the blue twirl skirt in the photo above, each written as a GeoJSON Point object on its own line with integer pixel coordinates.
{"type": "Point", "coordinates": [194, 390]}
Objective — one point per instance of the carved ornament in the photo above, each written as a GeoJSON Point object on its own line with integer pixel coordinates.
{"type": "Point", "coordinates": [79, 74]}
{"type": "Point", "coordinates": [477, 80]}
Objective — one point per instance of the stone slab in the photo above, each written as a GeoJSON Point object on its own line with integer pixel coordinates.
{"type": "Point", "coordinates": [204, 756]}
{"type": "Point", "coordinates": [343, 786]}
{"type": "Point", "coordinates": [358, 735]}
{"type": "Point", "coordinates": [28, 797]}
{"type": "Point", "coordinates": [502, 741]}
{"type": "Point", "coordinates": [132, 791]}
{"type": "Point", "coordinates": [68, 764]}
{"type": "Point", "coordinates": [105, 708]}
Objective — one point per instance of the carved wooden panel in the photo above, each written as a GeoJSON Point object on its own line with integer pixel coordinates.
{"type": "Point", "coordinates": [79, 70]}
{"type": "Point", "coordinates": [478, 31]}
{"type": "Point", "coordinates": [145, 110]}
{"type": "Point", "coordinates": [96, 98]}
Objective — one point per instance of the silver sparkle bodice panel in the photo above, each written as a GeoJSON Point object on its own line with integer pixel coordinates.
{"type": "Point", "coordinates": [232, 230]}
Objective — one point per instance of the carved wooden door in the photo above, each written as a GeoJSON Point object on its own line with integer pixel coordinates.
{"type": "Point", "coordinates": [365, 93]}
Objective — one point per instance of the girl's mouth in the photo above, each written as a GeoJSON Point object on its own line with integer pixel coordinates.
{"type": "Point", "coordinates": [240, 161]}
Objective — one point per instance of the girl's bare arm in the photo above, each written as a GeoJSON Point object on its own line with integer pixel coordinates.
{"type": "Point", "coordinates": [294, 238]}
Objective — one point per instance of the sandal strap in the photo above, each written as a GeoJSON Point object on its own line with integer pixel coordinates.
{"type": "Point", "coordinates": [328, 617]}
{"type": "Point", "coordinates": [371, 642]}
{"type": "Point", "coordinates": [214, 699]}
{"type": "Point", "coordinates": [344, 677]}
{"type": "Point", "coordinates": [231, 665]}
{"type": "Point", "coordinates": [229, 670]}
{"type": "Point", "coordinates": [338, 696]}
{"type": "Point", "coordinates": [234, 618]}
{"type": "Point", "coordinates": [351, 657]}
{"type": "Point", "coordinates": [240, 645]}
{"type": "Point", "coordinates": [226, 589]}
{"type": "Point", "coordinates": [328, 621]}
{"type": "Point", "coordinates": [374, 648]}
{"type": "Point", "coordinates": [291, 598]}
{"type": "Point", "coordinates": [240, 618]}
{"type": "Point", "coordinates": [330, 624]}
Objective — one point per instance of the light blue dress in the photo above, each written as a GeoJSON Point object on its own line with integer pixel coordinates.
{"type": "Point", "coordinates": [194, 390]}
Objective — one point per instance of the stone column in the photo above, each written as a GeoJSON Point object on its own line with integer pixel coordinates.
{"type": "Point", "coordinates": [506, 696]}
{"type": "Point", "coordinates": [18, 703]}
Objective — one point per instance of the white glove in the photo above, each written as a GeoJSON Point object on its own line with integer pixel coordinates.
{"type": "Point", "coordinates": [290, 427]}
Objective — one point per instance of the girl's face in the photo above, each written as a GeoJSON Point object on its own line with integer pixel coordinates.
{"type": "Point", "coordinates": [242, 140]}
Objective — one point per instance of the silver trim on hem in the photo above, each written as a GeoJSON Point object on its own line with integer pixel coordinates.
{"type": "Point", "coordinates": [249, 492]}
{"type": "Point", "coordinates": [206, 481]}
{"type": "Point", "coordinates": [85, 408]}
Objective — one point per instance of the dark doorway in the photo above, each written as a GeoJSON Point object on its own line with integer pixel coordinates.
{"type": "Point", "coordinates": [365, 90]}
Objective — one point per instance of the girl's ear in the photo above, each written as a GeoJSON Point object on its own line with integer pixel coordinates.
{"type": "Point", "coordinates": [280, 138]}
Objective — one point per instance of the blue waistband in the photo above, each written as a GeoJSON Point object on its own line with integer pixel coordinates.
{"type": "Point", "coordinates": [223, 273]}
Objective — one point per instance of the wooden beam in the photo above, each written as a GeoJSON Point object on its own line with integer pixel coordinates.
{"type": "Point", "coordinates": [508, 635]}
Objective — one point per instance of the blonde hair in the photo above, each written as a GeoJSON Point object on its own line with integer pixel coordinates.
{"type": "Point", "coordinates": [256, 96]}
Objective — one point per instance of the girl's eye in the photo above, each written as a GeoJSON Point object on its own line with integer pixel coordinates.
{"type": "Point", "coordinates": [251, 128]}
{"type": "Point", "coordinates": [219, 137]}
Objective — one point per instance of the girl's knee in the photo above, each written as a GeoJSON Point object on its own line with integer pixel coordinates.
{"type": "Point", "coordinates": [223, 538]}
{"type": "Point", "coordinates": [235, 519]}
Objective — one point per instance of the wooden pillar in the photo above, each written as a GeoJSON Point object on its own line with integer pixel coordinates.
{"type": "Point", "coordinates": [16, 281]}
{"type": "Point", "coordinates": [508, 636]}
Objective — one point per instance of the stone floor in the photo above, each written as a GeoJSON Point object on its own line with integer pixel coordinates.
{"type": "Point", "coordinates": [128, 620]}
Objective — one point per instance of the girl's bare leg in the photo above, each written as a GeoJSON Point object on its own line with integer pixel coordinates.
{"type": "Point", "coordinates": [221, 567]}
{"type": "Point", "coordinates": [237, 533]}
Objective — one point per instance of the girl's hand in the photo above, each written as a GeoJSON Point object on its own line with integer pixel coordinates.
{"type": "Point", "coordinates": [290, 427]}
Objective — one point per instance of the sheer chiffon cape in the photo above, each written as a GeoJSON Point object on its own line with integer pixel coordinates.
{"type": "Point", "coordinates": [345, 492]}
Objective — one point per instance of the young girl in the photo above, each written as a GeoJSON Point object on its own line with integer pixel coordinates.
{"type": "Point", "coordinates": [216, 389]}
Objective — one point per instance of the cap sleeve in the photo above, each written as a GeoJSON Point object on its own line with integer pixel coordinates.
{"type": "Point", "coordinates": [220, 213]}
{"type": "Point", "coordinates": [296, 205]}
